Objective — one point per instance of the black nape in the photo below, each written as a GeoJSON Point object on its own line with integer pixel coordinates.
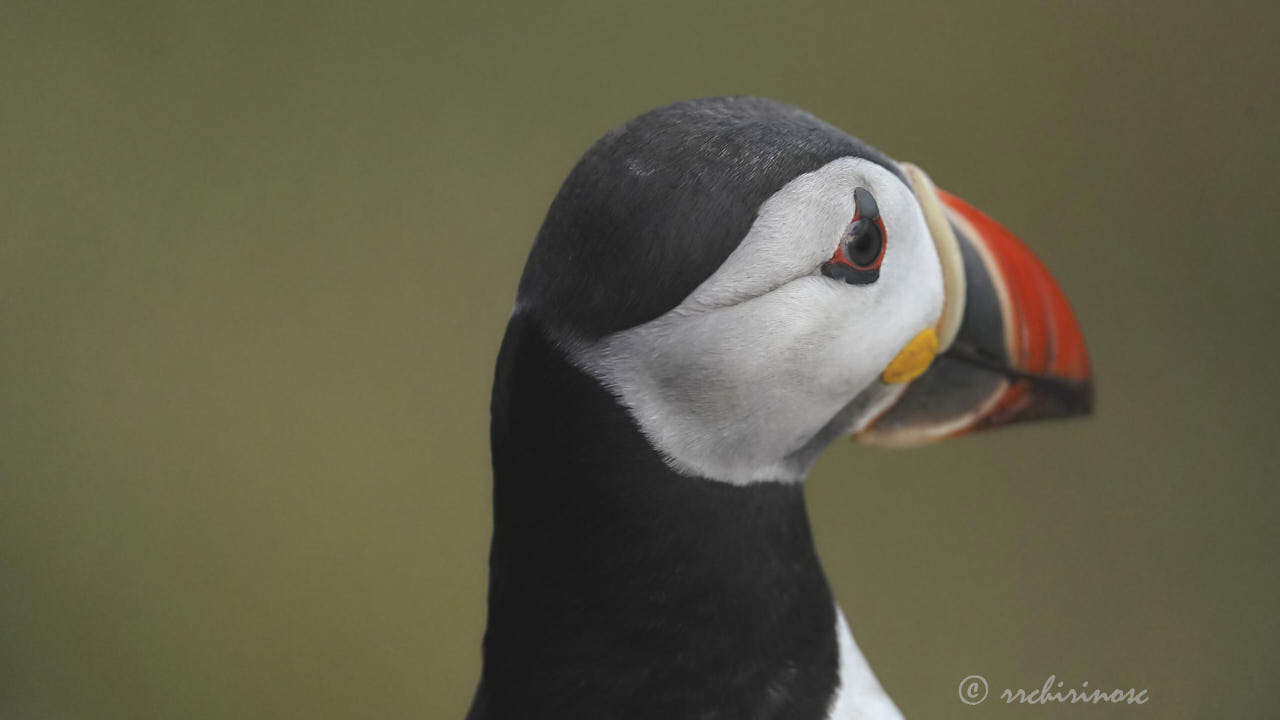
{"type": "Point", "coordinates": [622, 589]}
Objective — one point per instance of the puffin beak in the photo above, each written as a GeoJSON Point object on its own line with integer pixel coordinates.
{"type": "Point", "coordinates": [1008, 346]}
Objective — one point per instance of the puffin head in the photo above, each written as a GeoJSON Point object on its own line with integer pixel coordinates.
{"type": "Point", "coordinates": [751, 283]}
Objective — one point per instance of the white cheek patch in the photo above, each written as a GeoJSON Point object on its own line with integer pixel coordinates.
{"type": "Point", "coordinates": [763, 355]}
{"type": "Point", "coordinates": [731, 393]}
{"type": "Point", "coordinates": [792, 234]}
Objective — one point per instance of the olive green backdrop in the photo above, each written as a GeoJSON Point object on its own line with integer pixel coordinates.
{"type": "Point", "coordinates": [256, 259]}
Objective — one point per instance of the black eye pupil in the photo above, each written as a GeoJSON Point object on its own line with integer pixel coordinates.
{"type": "Point", "coordinates": [861, 246]}
{"type": "Point", "coordinates": [864, 243]}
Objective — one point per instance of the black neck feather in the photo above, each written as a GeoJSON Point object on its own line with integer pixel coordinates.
{"type": "Point", "coordinates": [622, 589]}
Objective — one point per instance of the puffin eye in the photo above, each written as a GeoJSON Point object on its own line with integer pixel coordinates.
{"type": "Point", "coordinates": [861, 250]}
{"type": "Point", "coordinates": [864, 243]}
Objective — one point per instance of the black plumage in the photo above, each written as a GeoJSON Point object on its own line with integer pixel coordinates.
{"type": "Point", "coordinates": [658, 203]}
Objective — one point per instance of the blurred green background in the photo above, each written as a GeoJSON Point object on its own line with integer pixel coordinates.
{"type": "Point", "coordinates": [256, 260]}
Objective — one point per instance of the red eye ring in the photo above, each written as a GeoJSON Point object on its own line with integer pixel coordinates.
{"type": "Point", "coordinates": [861, 250]}
{"type": "Point", "coordinates": [845, 250]}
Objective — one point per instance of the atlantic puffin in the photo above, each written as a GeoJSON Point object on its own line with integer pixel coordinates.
{"type": "Point", "coordinates": [721, 287]}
